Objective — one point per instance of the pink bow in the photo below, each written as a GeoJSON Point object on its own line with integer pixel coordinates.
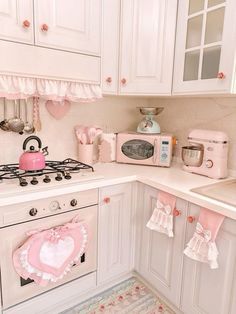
{"type": "Point", "coordinates": [205, 233]}
{"type": "Point", "coordinates": [166, 208]}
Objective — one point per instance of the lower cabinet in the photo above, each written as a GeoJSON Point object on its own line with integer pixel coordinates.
{"type": "Point", "coordinates": [159, 258]}
{"type": "Point", "coordinates": [191, 286]}
{"type": "Point", "coordinates": [211, 291]}
{"type": "Point", "coordinates": [115, 235]}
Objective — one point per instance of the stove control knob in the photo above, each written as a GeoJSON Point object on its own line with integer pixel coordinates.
{"type": "Point", "coordinates": [23, 182]}
{"type": "Point", "coordinates": [209, 163]}
{"type": "Point", "coordinates": [67, 176]}
{"type": "Point", "coordinates": [58, 177]}
{"type": "Point", "coordinates": [54, 205]}
{"type": "Point", "coordinates": [47, 179]}
{"type": "Point", "coordinates": [33, 211]}
{"type": "Point", "coordinates": [34, 181]}
{"type": "Point", "coordinates": [73, 202]}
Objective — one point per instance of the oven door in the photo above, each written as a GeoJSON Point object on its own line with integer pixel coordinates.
{"type": "Point", "coordinates": [14, 288]}
{"type": "Point", "coordinates": [139, 151]}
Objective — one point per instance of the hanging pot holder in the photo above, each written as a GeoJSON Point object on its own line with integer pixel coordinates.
{"type": "Point", "coordinates": [48, 255]}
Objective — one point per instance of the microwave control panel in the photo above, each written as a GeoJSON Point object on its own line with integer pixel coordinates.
{"type": "Point", "coordinates": [165, 152]}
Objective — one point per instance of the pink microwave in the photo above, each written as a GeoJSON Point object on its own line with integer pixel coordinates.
{"type": "Point", "coordinates": [144, 149]}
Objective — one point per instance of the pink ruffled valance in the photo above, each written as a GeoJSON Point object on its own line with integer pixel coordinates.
{"type": "Point", "coordinates": [15, 87]}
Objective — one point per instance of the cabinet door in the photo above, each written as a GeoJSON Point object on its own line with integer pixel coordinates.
{"type": "Point", "coordinates": [16, 20]}
{"type": "Point", "coordinates": [160, 258]}
{"type": "Point", "coordinates": [205, 46]}
{"type": "Point", "coordinates": [115, 232]}
{"type": "Point", "coordinates": [211, 291]}
{"type": "Point", "coordinates": [110, 46]}
{"type": "Point", "coordinates": [147, 46]}
{"type": "Point", "coordinates": [72, 25]}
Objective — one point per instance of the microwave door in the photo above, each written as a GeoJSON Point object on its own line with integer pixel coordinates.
{"type": "Point", "coordinates": [138, 149]}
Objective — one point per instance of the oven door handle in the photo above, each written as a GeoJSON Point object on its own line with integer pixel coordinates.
{"type": "Point", "coordinates": [155, 151]}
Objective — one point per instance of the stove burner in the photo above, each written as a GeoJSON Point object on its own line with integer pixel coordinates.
{"type": "Point", "coordinates": [62, 169]}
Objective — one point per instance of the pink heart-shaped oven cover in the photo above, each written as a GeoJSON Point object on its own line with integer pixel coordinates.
{"type": "Point", "coordinates": [49, 254]}
{"type": "Point", "coordinates": [58, 109]}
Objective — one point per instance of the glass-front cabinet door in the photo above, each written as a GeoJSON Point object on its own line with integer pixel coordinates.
{"type": "Point", "coordinates": [205, 47]}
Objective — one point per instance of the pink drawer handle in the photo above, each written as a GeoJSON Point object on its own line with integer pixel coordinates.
{"type": "Point", "coordinates": [191, 219]}
{"type": "Point", "coordinates": [109, 80]}
{"type": "Point", "coordinates": [221, 75]}
{"type": "Point", "coordinates": [26, 24]}
{"type": "Point", "coordinates": [106, 200]}
{"type": "Point", "coordinates": [176, 212]}
{"type": "Point", "coordinates": [123, 81]}
{"type": "Point", "coordinates": [44, 27]}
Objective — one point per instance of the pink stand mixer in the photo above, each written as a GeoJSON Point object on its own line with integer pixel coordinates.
{"type": "Point", "coordinates": [206, 154]}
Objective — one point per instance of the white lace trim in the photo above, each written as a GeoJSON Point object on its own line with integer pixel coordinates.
{"type": "Point", "coordinates": [203, 250]}
{"type": "Point", "coordinates": [15, 87]}
{"type": "Point", "coordinates": [161, 219]}
{"type": "Point", "coordinates": [23, 259]}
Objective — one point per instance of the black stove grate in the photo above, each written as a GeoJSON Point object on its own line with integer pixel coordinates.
{"type": "Point", "coordinates": [62, 169]}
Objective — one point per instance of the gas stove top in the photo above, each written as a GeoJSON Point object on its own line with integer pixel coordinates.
{"type": "Point", "coordinates": [56, 171]}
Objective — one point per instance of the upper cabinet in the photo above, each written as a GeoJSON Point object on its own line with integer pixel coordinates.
{"type": "Point", "coordinates": [205, 47]}
{"type": "Point", "coordinates": [72, 28]}
{"type": "Point", "coordinates": [72, 25]}
{"type": "Point", "coordinates": [147, 36]}
{"type": "Point", "coordinates": [16, 20]}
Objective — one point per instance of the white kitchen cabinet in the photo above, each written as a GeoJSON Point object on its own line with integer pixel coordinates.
{"type": "Point", "coordinates": [110, 46]}
{"type": "Point", "coordinates": [147, 36]}
{"type": "Point", "coordinates": [159, 259]}
{"type": "Point", "coordinates": [205, 47]}
{"type": "Point", "coordinates": [16, 20]}
{"type": "Point", "coordinates": [211, 291]}
{"type": "Point", "coordinates": [115, 232]}
{"type": "Point", "coordinates": [72, 25]}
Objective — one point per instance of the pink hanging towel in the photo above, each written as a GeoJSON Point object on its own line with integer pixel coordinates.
{"type": "Point", "coordinates": [202, 246]}
{"type": "Point", "coordinates": [162, 216]}
{"type": "Point", "coordinates": [48, 255]}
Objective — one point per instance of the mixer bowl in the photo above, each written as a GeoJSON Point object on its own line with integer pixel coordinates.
{"type": "Point", "coordinates": [150, 110]}
{"type": "Point", "coordinates": [192, 155]}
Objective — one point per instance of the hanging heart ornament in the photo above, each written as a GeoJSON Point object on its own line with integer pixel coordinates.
{"type": "Point", "coordinates": [58, 109]}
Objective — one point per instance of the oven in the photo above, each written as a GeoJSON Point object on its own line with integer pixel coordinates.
{"type": "Point", "coordinates": [20, 220]}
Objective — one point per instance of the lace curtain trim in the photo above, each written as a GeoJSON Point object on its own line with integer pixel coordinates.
{"type": "Point", "coordinates": [15, 87]}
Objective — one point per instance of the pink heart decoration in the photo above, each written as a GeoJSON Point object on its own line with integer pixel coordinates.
{"type": "Point", "coordinates": [58, 109]}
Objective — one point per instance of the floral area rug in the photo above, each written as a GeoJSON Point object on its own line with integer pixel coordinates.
{"type": "Point", "coordinates": [128, 297]}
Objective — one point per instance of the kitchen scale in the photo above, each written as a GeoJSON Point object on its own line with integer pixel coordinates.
{"type": "Point", "coordinates": [148, 124]}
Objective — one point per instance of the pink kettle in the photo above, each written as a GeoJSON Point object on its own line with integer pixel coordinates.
{"type": "Point", "coordinates": [33, 159]}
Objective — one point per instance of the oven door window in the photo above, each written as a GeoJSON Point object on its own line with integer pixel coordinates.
{"type": "Point", "coordinates": [137, 149]}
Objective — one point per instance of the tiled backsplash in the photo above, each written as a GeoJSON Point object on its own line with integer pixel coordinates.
{"type": "Point", "coordinates": [111, 113]}
{"type": "Point", "coordinates": [182, 114]}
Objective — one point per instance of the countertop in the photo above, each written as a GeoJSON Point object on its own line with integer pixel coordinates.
{"type": "Point", "coordinates": [173, 180]}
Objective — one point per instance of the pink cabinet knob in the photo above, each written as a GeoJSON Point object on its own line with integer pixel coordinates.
{"type": "Point", "coordinates": [44, 27]}
{"type": "Point", "coordinates": [109, 79]}
{"type": "Point", "coordinates": [191, 219]}
{"type": "Point", "coordinates": [106, 200]}
{"type": "Point", "coordinates": [123, 81]}
{"type": "Point", "coordinates": [26, 24]}
{"type": "Point", "coordinates": [221, 75]}
{"type": "Point", "coordinates": [176, 212]}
